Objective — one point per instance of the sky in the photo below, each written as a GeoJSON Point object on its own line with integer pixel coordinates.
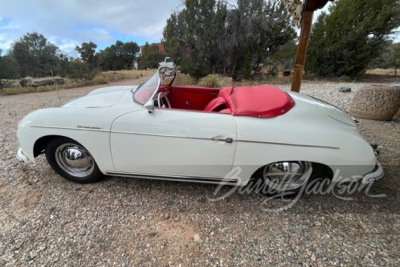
{"type": "Point", "coordinates": [68, 23]}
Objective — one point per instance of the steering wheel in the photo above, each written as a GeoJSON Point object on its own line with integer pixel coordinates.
{"type": "Point", "coordinates": [162, 95]}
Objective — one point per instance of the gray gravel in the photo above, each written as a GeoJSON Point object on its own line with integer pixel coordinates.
{"type": "Point", "coordinates": [46, 220]}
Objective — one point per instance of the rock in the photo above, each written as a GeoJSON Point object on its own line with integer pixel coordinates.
{"type": "Point", "coordinates": [197, 238]}
{"type": "Point", "coordinates": [26, 82]}
{"type": "Point", "coordinates": [376, 102]}
{"type": "Point", "coordinates": [313, 258]}
{"type": "Point", "coordinates": [167, 216]}
{"type": "Point", "coordinates": [345, 89]}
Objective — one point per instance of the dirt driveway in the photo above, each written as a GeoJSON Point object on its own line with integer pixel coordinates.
{"type": "Point", "coordinates": [46, 220]}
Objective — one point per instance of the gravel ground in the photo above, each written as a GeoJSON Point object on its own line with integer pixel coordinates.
{"type": "Point", "coordinates": [46, 220]}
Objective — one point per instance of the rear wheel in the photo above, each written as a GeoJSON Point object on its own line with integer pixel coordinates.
{"type": "Point", "coordinates": [286, 177]}
{"type": "Point", "coordinates": [72, 161]}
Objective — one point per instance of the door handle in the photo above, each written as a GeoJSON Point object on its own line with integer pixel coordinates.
{"type": "Point", "coordinates": [226, 140]}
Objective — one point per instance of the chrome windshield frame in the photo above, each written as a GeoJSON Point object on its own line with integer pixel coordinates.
{"type": "Point", "coordinates": [160, 73]}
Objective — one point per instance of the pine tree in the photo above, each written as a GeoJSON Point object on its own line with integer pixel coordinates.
{"type": "Point", "coordinates": [344, 42]}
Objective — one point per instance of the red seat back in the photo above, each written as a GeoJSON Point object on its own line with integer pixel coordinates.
{"type": "Point", "coordinates": [216, 104]}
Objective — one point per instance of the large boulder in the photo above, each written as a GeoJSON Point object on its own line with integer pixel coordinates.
{"type": "Point", "coordinates": [376, 102]}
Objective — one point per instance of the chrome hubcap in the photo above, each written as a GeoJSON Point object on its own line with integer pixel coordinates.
{"type": "Point", "coordinates": [74, 160]}
{"type": "Point", "coordinates": [287, 175]}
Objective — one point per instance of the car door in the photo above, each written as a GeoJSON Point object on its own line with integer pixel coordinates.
{"type": "Point", "coordinates": [174, 143]}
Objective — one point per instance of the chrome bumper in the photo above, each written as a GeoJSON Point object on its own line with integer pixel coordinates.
{"type": "Point", "coordinates": [377, 174]}
{"type": "Point", "coordinates": [21, 156]}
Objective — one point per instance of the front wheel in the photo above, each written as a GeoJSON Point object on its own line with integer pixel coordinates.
{"type": "Point", "coordinates": [72, 161]}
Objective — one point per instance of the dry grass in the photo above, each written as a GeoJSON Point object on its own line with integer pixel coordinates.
{"type": "Point", "coordinates": [69, 83]}
{"type": "Point", "coordinates": [114, 76]}
{"type": "Point", "coordinates": [381, 72]}
{"type": "Point", "coordinates": [100, 78]}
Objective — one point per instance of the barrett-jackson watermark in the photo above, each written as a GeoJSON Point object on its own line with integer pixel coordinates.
{"type": "Point", "coordinates": [341, 188]}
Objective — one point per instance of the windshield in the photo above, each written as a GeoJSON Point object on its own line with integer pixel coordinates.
{"type": "Point", "coordinates": [147, 90]}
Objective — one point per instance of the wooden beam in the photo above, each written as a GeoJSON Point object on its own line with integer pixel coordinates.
{"type": "Point", "coordinates": [312, 5]}
{"type": "Point", "coordinates": [305, 31]}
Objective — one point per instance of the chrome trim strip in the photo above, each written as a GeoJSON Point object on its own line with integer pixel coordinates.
{"type": "Point", "coordinates": [172, 177]}
{"type": "Point", "coordinates": [211, 139]}
{"type": "Point", "coordinates": [287, 144]}
{"type": "Point", "coordinates": [89, 127]}
{"type": "Point", "coordinates": [164, 135]}
{"type": "Point", "coordinates": [79, 128]}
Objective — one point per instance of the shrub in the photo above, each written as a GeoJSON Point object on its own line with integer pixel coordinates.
{"type": "Point", "coordinates": [100, 79]}
{"type": "Point", "coordinates": [184, 79]}
{"type": "Point", "coordinates": [211, 80]}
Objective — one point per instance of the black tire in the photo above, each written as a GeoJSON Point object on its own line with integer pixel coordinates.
{"type": "Point", "coordinates": [72, 161]}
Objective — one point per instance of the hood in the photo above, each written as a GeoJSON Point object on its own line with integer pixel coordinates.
{"type": "Point", "coordinates": [100, 98]}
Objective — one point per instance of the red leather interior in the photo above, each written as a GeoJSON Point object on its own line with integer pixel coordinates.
{"type": "Point", "coordinates": [263, 101]}
{"type": "Point", "coordinates": [192, 98]}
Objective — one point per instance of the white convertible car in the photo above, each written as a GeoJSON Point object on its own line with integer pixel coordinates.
{"type": "Point", "coordinates": [208, 135]}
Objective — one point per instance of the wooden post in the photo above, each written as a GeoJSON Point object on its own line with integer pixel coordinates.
{"type": "Point", "coordinates": [305, 31]}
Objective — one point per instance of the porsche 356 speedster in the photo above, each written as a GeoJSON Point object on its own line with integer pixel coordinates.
{"type": "Point", "coordinates": [163, 131]}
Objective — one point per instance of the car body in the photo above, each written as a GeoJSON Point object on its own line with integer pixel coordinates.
{"type": "Point", "coordinates": [181, 133]}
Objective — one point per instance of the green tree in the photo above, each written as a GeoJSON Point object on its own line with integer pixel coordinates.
{"type": "Point", "coordinates": [119, 56]}
{"type": "Point", "coordinates": [8, 68]}
{"type": "Point", "coordinates": [389, 58]}
{"type": "Point", "coordinates": [257, 29]}
{"type": "Point", "coordinates": [192, 37]}
{"type": "Point", "coordinates": [172, 38]}
{"type": "Point", "coordinates": [344, 42]}
{"type": "Point", "coordinates": [88, 54]}
{"type": "Point", "coordinates": [64, 67]}
{"type": "Point", "coordinates": [150, 56]}
{"type": "Point", "coordinates": [207, 37]}
{"type": "Point", "coordinates": [34, 55]}
{"type": "Point", "coordinates": [129, 54]}
{"type": "Point", "coordinates": [80, 70]}
{"type": "Point", "coordinates": [395, 59]}
{"type": "Point", "coordinates": [283, 57]}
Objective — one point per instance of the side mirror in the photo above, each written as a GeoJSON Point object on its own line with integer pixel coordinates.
{"type": "Point", "coordinates": [149, 106]}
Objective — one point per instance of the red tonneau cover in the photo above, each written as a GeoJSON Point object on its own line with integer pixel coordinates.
{"type": "Point", "coordinates": [263, 101]}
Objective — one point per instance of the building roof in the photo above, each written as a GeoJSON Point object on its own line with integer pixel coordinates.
{"type": "Point", "coordinates": [160, 46]}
